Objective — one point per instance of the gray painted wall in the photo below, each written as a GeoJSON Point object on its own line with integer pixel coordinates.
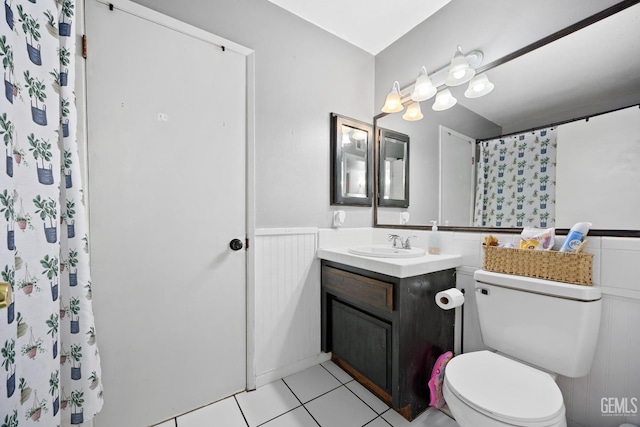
{"type": "Point", "coordinates": [302, 74]}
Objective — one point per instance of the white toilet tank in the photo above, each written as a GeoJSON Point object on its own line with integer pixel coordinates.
{"type": "Point", "coordinates": [548, 324]}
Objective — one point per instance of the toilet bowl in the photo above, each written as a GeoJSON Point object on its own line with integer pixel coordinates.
{"type": "Point", "coordinates": [485, 389]}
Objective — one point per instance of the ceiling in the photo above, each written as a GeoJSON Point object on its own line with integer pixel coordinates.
{"type": "Point", "coordinates": [364, 23]}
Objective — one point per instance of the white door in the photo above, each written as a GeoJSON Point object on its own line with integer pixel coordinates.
{"type": "Point", "coordinates": [456, 182]}
{"type": "Point", "coordinates": [167, 188]}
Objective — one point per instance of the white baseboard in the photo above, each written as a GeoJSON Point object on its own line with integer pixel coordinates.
{"type": "Point", "coordinates": [285, 371]}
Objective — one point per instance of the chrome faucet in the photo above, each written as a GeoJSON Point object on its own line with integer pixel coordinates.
{"type": "Point", "coordinates": [407, 242]}
{"type": "Point", "coordinates": [394, 238]}
{"type": "Point", "coordinates": [398, 242]}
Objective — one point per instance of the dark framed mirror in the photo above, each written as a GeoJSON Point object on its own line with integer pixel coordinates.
{"type": "Point", "coordinates": [351, 162]}
{"type": "Point", "coordinates": [612, 87]}
{"type": "Point", "coordinates": [393, 188]}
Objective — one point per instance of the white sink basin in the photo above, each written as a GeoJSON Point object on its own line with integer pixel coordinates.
{"type": "Point", "coordinates": [386, 251]}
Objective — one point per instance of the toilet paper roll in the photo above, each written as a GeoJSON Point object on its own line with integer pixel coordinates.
{"type": "Point", "coordinates": [449, 298]}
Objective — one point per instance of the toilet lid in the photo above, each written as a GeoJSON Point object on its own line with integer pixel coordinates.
{"type": "Point", "coordinates": [503, 388]}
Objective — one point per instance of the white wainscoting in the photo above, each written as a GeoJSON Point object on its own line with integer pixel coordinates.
{"type": "Point", "coordinates": [287, 302]}
{"type": "Point", "coordinates": [615, 372]}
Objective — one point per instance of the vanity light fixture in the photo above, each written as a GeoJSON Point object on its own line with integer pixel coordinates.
{"type": "Point", "coordinates": [413, 112]}
{"type": "Point", "coordinates": [444, 100]}
{"type": "Point", "coordinates": [460, 71]}
{"type": "Point", "coordinates": [359, 135]}
{"type": "Point", "coordinates": [393, 103]}
{"type": "Point", "coordinates": [424, 88]}
{"type": "Point", "coordinates": [479, 86]}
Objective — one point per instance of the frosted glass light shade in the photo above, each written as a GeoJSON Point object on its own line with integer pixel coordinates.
{"type": "Point", "coordinates": [479, 86]}
{"type": "Point", "coordinates": [423, 88]}
{"type": "Point", "coordinates": [393, 103]}
{"type": "Point", "coordinates": [444, 101]}
{"type": "Point", "coordinates": [359, 135]}
{"type": "Point", "coordinates": [460, 71]}
{"type": "Point", "coordinates": [413, 112]}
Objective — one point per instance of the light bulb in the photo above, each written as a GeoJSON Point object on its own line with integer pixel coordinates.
{"type": "Point", "coordinates": [479, 86]}
{"type": "Point", "coordinates": [393, 103]}
{"type": "Point", "coordinates": [444, 100]}
{"type": "Point", "coordinates": [413, 112]}
{"type": "Point", "coordinates": [423, 88]}
{"type": "Point", "coordinates": [459, 71]}
{"type": "Point", "coordinates": [359, 134]}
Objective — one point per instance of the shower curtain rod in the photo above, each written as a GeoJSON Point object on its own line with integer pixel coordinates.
{"type": "Point", "coordinates": [478, 141]}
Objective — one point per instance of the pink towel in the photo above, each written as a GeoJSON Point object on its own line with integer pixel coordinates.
{"type": "Point", "coordinates": [437, 377]}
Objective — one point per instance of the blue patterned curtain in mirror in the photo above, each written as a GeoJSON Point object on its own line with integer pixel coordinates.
{"type": "Point", "coordinates": [516, 181]}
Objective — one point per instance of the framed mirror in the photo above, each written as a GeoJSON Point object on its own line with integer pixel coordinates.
{"type": "Point", "coordinates": [393, 169]}
{"type": "Point", "coordinates": [514, 110]}
{"type": "Point", "coordinates": [351, 162]}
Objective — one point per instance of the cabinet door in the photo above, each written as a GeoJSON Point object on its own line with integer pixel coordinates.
{"type": "Point", "coordinates": [364, 342]}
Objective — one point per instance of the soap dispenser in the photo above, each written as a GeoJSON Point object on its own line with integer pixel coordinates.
{"type": "Point", "coordinates": [434, 239]}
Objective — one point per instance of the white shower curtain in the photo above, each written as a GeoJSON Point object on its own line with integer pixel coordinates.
{"type": "Point", "coordinates": [48, 350]}
{"type": "Point", "coordinates": [517, 181]}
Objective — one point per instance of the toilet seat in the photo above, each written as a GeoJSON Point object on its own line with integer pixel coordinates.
{"type": "Point", "coordinates": [504, 389]}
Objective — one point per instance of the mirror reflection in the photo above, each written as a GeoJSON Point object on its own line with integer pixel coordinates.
{"type": "Point", "coordinates": [351, 164]}
{"type": "Point", "coordinates": [354, 162]}
{"type": "Point", "coordinates": [440, 184]}
{"type": "Point", "coordinates": [394, 168]}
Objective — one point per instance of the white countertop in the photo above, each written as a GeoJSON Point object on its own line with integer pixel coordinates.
{"type": "Point", "coordinates": [396, 267]}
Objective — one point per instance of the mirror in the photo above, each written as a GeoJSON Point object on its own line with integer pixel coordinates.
{"type": "Point", "coordinates": [351, 171]}
{"type": "Point", "coordinates": [394, 168]}
{"type": "Point", "coordinates": [583, 94]}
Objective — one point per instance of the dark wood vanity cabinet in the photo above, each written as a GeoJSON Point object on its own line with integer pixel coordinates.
{"type": "Point", "coordinates": [385, 331]}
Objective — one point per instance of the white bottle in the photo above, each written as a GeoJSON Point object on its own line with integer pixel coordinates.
{"type": "Point", "coordinates": [575, 236]}
{"type": "Point", "coordinates": [434, 239]}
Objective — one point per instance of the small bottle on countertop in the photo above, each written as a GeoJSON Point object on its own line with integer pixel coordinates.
{"type": "Point", "coordinates": [434, 239]}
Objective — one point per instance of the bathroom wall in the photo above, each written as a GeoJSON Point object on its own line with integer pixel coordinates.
{"type": "Point", "coordinates": [302, 74]}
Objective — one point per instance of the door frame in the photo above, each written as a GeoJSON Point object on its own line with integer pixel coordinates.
{"type": "Point", "coordinates": [442, 130]}
{"type": "Point", "coordinates": [250, 221]}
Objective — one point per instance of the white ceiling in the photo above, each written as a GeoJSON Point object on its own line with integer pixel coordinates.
{"type": "Point", "coordinates": [372, 25]}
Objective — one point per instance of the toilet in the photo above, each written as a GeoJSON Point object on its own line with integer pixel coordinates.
{"type": "Point", "coordinates": [538, 329]}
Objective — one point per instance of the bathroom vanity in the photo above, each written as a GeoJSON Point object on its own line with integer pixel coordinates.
{"type": "Point", "coordinates": [385, 330]}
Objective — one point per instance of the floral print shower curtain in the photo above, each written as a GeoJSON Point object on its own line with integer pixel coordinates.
{"type": "Point", "coordinates": [48, 356]}
{"type": "Point", "coordinates": [517, 180]}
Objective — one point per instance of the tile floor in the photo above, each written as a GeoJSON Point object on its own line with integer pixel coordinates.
{"type": "Point", "coordinates": [323, 395]}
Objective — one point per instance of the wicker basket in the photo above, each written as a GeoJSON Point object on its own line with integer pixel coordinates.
{"type": "Point", "coordinates": [567, 267]}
